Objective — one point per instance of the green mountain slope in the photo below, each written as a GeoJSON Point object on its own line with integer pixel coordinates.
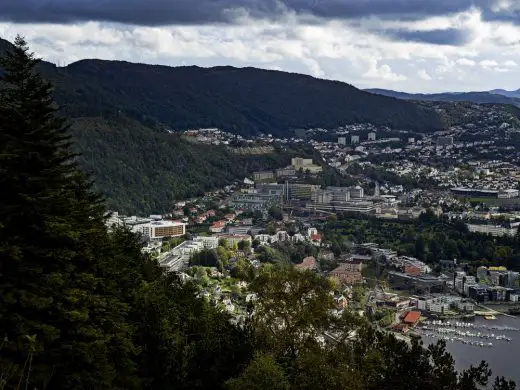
{"type": "Point", "coordinates": [246, 101]}
{"type": "Point", "coordinates": [139, 169]}
{"type": "Point", "coordinates": [142, 170]}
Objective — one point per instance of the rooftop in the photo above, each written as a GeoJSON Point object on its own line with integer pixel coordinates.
{"type": "Point", "coordinates": [411, 317]}
{"type": "Point", "coordinates": [166, 223]}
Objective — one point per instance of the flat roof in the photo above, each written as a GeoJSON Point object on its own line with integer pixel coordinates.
{"type": "Point", "coordinates": [166, 223]}
{"type": "Point", "coordinates": [474, 189]}
{"type": "Point", "coordinates": [412, 317]}
{"type": "Point", "coordinates": [244, 236]}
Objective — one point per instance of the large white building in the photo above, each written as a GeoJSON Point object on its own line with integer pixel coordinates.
{"type": "Point", "coordinates": [442, 304]}
{"type": "Point", "coordinates": [494, 230]}
{"type": "Point", "coordinates": [209, 242]}
{"type": "Point", "coordinates": [161, 229]}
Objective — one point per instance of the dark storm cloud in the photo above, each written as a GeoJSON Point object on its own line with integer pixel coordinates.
{"type": "Point", "coordinates": [450, 36]}
{"type": "Point", "coordinates": [162, 12]}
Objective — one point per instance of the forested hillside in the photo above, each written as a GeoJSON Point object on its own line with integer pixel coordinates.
{"type": "Point", "coordinates": [140, 170]}
{"type": "Point", "coordinates": [245, 101]}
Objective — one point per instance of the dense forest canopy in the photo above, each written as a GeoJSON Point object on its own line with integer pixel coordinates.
{"type": "Point", "coordinates": [140, 170]}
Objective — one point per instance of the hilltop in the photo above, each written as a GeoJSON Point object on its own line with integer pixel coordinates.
{"type": "Point", "coordinates": [247, 101]}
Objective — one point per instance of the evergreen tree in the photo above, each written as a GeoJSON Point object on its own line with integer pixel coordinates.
{"type": "Point", "coordinates": [61, 326]}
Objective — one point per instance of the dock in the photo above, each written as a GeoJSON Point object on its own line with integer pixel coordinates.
{"type": "Point", "coordinates": [490, 312]}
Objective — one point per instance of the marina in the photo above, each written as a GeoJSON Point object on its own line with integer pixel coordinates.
{"type": "Point", "coordinates": [477, 335]}
{"type": "Point", "coordinates": [469, 325]}
{"type": "Point", "coordinates": [501, 356]}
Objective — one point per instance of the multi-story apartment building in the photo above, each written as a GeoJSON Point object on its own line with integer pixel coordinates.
{"type": "Point", "coordinates": [161, 229]}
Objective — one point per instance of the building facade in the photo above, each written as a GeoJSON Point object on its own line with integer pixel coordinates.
{"type": "Point", "coordinates": [161, 229]}
{"type": "Point", "coordinates": [263, 175]}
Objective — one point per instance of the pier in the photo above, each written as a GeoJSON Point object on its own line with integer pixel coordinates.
{"type": "Point", "coordinates": [491, 312]}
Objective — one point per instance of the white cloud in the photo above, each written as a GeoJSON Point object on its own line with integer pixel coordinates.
{"type": "Point", "coordinates": [445, 66]}
{"type": "Point", "coordinates": [424, 75]}
{"type": "Point", "coordinates": [351, 51]}
{"type": "Point", "coordinates": [383, 72]}
{"type": "Point", "coordinates": [486, 64]}
{"type": "Point", "coordinates": [505, 5]}
{"type": "Point", "coordinates": [314, 67]}
{"type": "Point", "coordinates": [465, 62]}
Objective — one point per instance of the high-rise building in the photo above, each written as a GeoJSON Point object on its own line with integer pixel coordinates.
{"type": "Point", "coordinates": [377, 191]}
{"type": "Point", "coordinates": [354, 139]}
{"type": "Point", "coordinates": [372, 136]}
{"type": "Point", "coordinates": [342, 140]}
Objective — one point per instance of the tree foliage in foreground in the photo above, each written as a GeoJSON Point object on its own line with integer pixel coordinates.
{"type": "Point", "coordinates": [314, 349]}
{"type": "Point", "coordinates": [83, 308]}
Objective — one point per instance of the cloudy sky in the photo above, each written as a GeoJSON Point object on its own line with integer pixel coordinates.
{"type": "Point", "coordinates": [408, 45]}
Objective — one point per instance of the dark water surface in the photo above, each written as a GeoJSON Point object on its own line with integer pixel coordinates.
{"type": "Point", "coordinates": [503, 358]}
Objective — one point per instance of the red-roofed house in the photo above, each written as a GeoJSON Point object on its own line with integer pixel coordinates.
{"type": "Point", "coordinates": [411, 317]}
{"type": "Point", "coordinates": [309, 263]}
{"type": "Point", "coordinates": [217, 227]}
{"type": "Point", "coordinates": [316, 238]}
{"type": "Point", "coordinates": [412, 270]}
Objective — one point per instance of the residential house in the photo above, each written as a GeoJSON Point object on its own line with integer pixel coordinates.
{"type": "Point", "coordinates": [217, 227]}
{"type": "Point", "coordinates": [340, 302]}
{"type": "Point", "coordinates": [308, 264]}
{"type": "Point", "coordinates": [326, 255]}
{"type": "Point", "coordinates": [316, 239]}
